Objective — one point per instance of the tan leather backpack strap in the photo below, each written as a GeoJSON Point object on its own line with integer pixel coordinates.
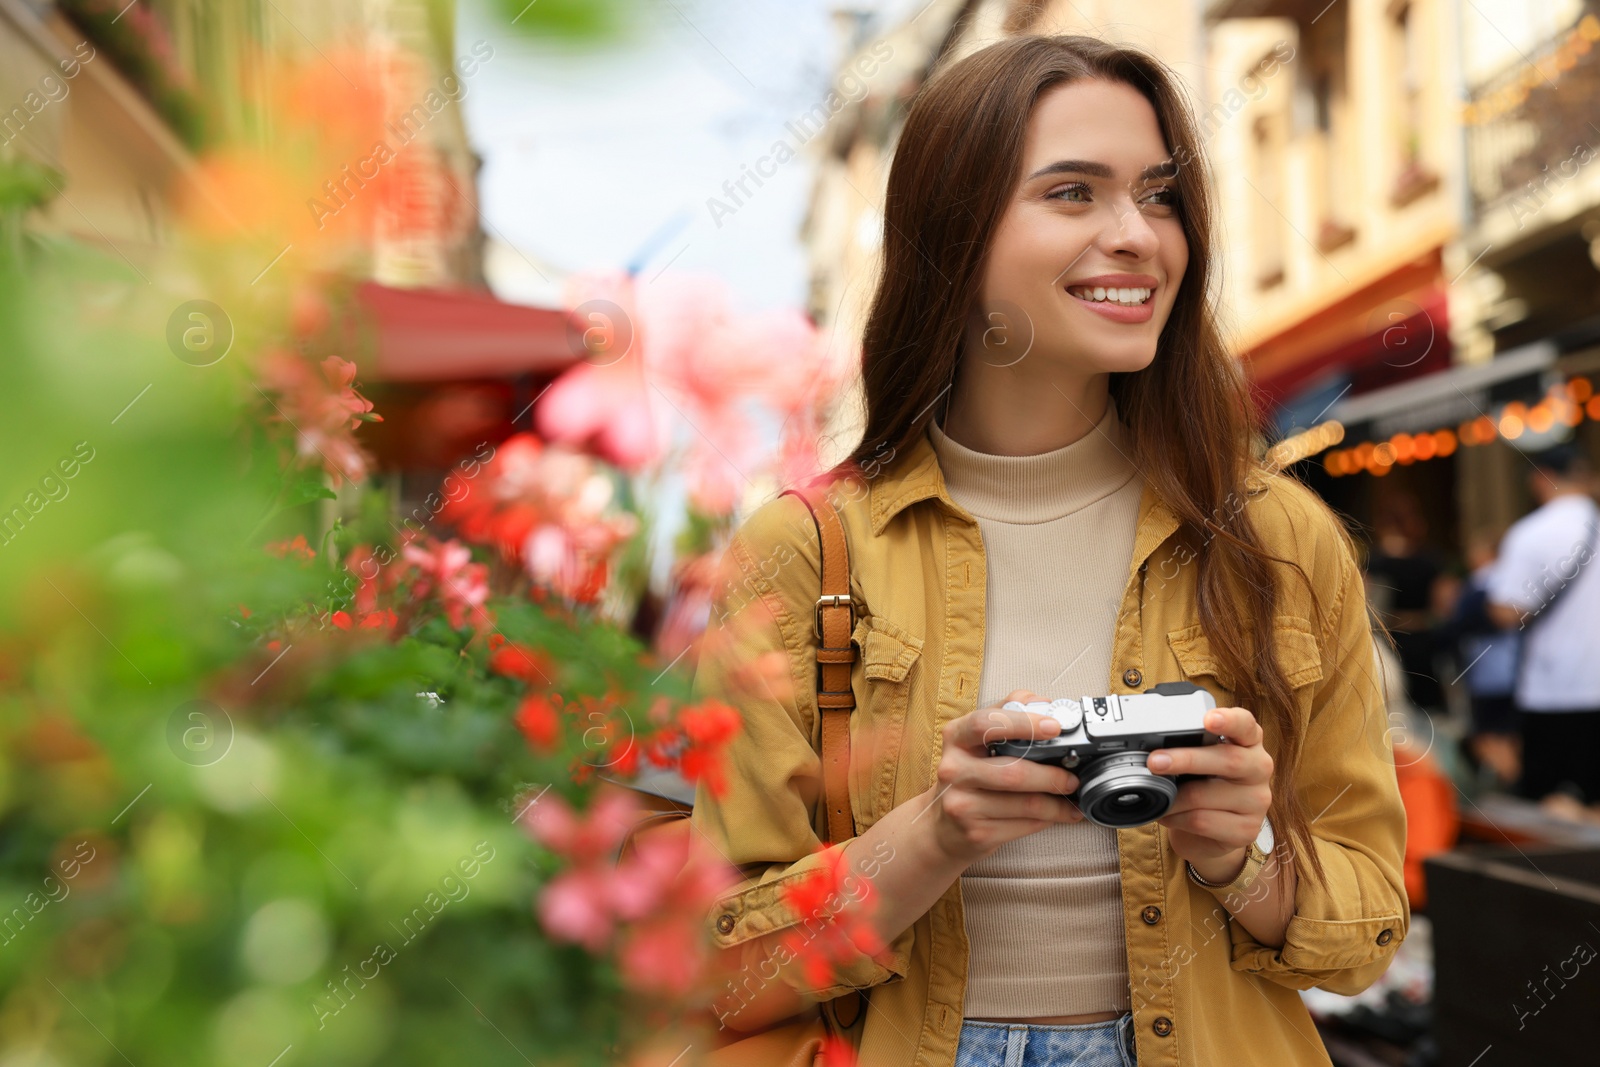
{"type": "Point", "coordinates": [834, 622]}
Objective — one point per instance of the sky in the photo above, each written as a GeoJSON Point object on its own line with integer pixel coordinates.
{"type": "Point", "coordinates": [590, 158]}
{"type": "Point", "coordinates": [594, 160]}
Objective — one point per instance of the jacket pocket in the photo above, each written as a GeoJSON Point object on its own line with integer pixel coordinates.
{"type": "Point", "coordinates": [883, 679]}
{"type": "Point", "coordinates": [1298, 654]}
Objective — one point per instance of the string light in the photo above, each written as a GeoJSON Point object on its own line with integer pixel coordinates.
{"type": "Point", "coordinates": [1565, 403]}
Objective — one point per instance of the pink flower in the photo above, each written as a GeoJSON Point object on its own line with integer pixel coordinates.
{"type": "Point", "coordinates": [645, 878]}
{"type": "Point", "coordinates": [664, 957]}
{"type": "Point", "coordinates": [573, 908]}
{"type": "Point", "coordinates": [688, 604]}
{"type": "Point", "coordinates": [446, 571]}
{"type": "Point", "coordinates": [323, 410]}
{"type": "Point", "coordinates": [604, 403]}
{"type": "Point", "coordinates": [549, 509]}
{"type": "Point", "coordinates": [581, 838]}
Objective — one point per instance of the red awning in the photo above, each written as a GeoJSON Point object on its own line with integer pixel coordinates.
{"type": "Point", "coordinates": [429, 335]}
{"type": "Point", "coordinates": [1393, 328]}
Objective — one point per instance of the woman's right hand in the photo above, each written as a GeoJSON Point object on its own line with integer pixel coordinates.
{"type": "Point", "coordinates": [983, 801]}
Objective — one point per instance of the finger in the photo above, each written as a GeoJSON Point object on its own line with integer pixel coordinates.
{"type": "Point", "coordinates": [1238, 725]}
{"type": "Point", "coordinates": [1219, 794]}
{"type": "Point", "coordinates": [1226, 827]}
{"type": "Point", "coordinates": [1005, 774]}
{"type": "Point", "coordinates": [1233, 762]}
{"type": "Point", "coordinates": [1036, 807]}
{"type": "Point", "coordinates": [979, 729]}
{"type": "Point", "coordinates": [1010, 774]}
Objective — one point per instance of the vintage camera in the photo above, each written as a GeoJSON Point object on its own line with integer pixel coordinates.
{"type": "Point", "coordinates": [1106, 740]}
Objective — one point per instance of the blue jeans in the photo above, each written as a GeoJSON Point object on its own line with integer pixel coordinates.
{"type": "Point", "coordinates": [1107, 1044]}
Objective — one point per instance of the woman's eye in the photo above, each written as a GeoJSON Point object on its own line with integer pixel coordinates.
{"type": "Point", "coordinates": [1076, 193]}
{"type": "Point", "coordinates": [1162, 197]}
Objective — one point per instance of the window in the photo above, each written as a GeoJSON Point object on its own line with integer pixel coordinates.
{"type": "Point", "coordinates": [1268, 224]}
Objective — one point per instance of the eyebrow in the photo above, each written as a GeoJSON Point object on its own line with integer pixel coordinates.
{"type": "Point", "coordinates": [1093, 169]}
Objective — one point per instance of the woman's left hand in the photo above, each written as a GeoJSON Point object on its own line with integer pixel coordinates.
{"type": "Point", "coordinates": [1213, 819]}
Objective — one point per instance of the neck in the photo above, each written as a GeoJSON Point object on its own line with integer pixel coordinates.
{"type": "Point", "coordinates": [1559, 490]}
{"type": "Point", "coordinates": [1040, 486]}
{"type": "Point", "coordinates": [1004, 411]}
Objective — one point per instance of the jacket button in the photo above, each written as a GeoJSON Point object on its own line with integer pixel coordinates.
{"type": "Point", "coordinates": [1162, 1026]}
{"type": "Point", "coordinates": [1385, 937]}
{"type": "Point", "coordinates": [1151, 914]}
{"type": "Point", "coordinates": [725, 924]}
{"type": "Point", "coordinates": [1131, 677]}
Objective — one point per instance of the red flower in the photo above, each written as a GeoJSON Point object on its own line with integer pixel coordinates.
{"type": "Point", "coordinates": [537, 720]}
{"type": "Point", "coordinates": [835, 929]}
{"type": "Point", "coordinates": [379, 620]}
{"type": "Point", "coordinates": [661, 747]}
{"type": "Point", "coordinates": [342, 620]}
{"type": "Point", "coordinates": [711, 724]}
{"type": "Point", "coordinates": [837, 1052]}
{"type": "Point", "coordinates": [708, 728]}
{"type": "Point", "coordinates": [297, 548]}
{"type": "Point", "coordinates": [521, 662]}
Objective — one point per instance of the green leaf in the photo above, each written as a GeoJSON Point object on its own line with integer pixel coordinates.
{"type": "Point", "coordinates": [307, 487]}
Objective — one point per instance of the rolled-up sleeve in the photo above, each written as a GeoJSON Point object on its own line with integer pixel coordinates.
{"type": "Point", "coordinates": [757, 654]}
{"type": "Point", "coordinates": [1346, 928]}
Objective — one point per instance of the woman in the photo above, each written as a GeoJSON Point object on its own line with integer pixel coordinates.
{"type": "Point", "coordinates": [1055, 495]}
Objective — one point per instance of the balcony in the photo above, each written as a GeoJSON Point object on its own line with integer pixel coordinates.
{"type": "Point", "coordinates": [1529, 128]}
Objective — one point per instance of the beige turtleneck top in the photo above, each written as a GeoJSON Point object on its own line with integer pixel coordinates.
{"type": "Point", "coordinates": [1044, 912]}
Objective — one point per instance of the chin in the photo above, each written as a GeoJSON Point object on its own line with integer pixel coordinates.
{"type": "Point", "coordinates": [1127, 362]}
{"type": "Point", "coordinates": [1124, 357]}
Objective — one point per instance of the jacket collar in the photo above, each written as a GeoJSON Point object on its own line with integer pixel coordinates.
{"type": "Point", "coordinates": [917, 476]}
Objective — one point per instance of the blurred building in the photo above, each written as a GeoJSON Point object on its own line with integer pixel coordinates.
{"type": "Point", "coordinates": [1423, 193]}
{"type": "Point", "coordinates": [107, 105]}
{"type": "Point", "coordinates": [1341, 187]}
{"type": "Point", "coordinates": [1530, 284]}
{"type": "Point", "coordinates": [115, 100]}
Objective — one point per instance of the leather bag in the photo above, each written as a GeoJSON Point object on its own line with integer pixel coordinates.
{"type": "Point", "coordinates": [800, 1041]}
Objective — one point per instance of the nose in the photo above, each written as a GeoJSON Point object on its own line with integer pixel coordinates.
{"type": "Point", "coordinates": [1128, 234]}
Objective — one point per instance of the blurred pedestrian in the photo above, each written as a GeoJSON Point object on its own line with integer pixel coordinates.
{"type": "Point", "coordinates": [1401, 573]}
{"type": "Point", "coordinates": [1488, 659]}
{"type": "Point", "coordinates": [1544, 584]}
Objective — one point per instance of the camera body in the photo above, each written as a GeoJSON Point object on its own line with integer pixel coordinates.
{"type": "Point", "coordinates": [1107, 740]}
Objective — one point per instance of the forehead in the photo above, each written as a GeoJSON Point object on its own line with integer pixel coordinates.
{"type": "Point", "coordinates": [1096, 120]}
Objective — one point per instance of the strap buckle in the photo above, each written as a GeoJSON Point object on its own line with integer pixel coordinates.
{"type": "Point", "coordinates": [835, 600]}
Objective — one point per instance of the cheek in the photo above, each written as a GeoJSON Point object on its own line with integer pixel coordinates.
{"type": "Point", "coordinates": [1174, 252]}
{"type": "Point", "coordinates": [1032, 249]}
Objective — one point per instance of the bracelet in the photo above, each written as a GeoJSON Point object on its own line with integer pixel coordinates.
{"type": "Point", "coordinates": [1255, 858]}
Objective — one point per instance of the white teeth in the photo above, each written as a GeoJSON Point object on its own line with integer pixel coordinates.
{"type": "Point", "coordinates": [1126, 297]}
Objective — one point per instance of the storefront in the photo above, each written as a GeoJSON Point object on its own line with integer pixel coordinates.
{"type": "Point", "coordinates": [452, 369]}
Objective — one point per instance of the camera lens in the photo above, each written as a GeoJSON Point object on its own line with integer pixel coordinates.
{"type": "Point", "coordinates": [1119, 791]}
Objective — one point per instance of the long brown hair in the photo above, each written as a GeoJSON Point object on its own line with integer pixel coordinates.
{"type": "Point", "coordinates": [958, 161]}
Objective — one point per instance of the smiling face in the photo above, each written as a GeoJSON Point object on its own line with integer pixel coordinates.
{"type": "Point", "coordinates": [1090, 251]}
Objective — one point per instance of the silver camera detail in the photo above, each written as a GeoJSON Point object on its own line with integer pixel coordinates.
{"type": "Point", "coordinates": [1106, 741]}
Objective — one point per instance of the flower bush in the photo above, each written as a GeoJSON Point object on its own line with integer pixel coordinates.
{"type": "Point", "coordinates": [287, 780]}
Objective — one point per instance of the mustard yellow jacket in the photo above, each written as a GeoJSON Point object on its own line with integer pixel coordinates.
{"type": "Point", "coordinates": [1203, 991]}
